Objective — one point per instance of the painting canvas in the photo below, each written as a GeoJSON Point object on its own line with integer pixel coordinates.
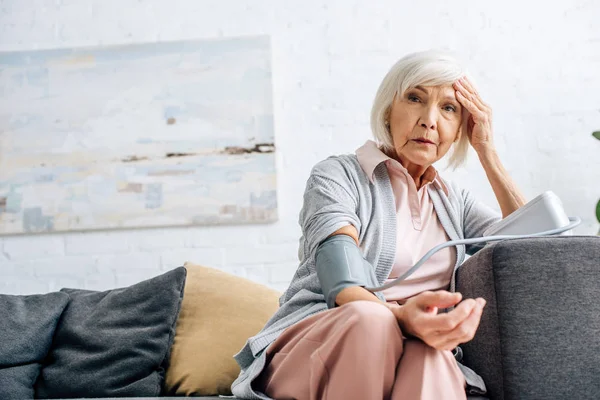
{"type": "Point", "coordinates": [147, 135]}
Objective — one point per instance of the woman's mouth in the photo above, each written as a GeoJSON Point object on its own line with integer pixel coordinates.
{"type": "Point", "coordinates": [423, 141]}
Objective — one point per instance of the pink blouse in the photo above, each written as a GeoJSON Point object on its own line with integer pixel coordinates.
{"type": "Point", "coordinates": [418, 227]}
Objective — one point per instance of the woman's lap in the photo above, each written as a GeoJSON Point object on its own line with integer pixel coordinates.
{"type": "Point", "coordinates": [352, 351]}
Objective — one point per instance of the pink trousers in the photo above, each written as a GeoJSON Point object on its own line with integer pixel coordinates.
{"type": "Point", "coordinates": [357, 351]}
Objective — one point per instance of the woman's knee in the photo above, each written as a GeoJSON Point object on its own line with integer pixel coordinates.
{"type": "Point", "coordinates": [370, 316]}
{"type": "Point", "coordinates": [365, 331]}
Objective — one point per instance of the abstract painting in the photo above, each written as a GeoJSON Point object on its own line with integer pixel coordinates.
{"type": "Point", "coordinates": [146, 135]}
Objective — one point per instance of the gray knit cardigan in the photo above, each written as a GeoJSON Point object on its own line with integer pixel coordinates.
{"type": "Point", "coordinates": [338, 192]}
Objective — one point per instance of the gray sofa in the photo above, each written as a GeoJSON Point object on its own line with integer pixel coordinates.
{"type": "Point", "coordinates": [539, 336]}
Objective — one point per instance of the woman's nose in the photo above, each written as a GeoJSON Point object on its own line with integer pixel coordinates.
{"type": "Point", "coordinates": [428, 119]}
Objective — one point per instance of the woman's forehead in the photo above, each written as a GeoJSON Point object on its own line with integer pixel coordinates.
{"type": "Point", "coordinates": [445, 89]}
{"type": "Point", "coordinates": [426, 87]}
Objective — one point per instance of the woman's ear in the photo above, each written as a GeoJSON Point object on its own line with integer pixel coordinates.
{"type": "Point", "coordinates": [386, 119]}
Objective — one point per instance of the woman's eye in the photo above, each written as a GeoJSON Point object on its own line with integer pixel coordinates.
{"type": "Point", "coordinates": [413, 98]}
{"type": "Point", "coordinates": [450, 108]}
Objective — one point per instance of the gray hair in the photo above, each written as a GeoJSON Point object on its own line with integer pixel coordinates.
{"type": "Point", "coordinates": [426, 68]}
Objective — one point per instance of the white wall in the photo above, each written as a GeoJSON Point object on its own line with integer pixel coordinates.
{"type": "Point", "coordinates": [537, 62]}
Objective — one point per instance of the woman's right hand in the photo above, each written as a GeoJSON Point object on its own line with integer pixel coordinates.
{"type": "Point", "coordinates": [419, 317]}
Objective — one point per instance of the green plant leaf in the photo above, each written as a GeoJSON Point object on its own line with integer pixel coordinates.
{"type": "Point", "coordinates": [598, 211]}
{"type": "Point", "coordinates": [596, 135]}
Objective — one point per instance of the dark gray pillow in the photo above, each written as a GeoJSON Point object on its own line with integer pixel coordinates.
{"type": "Point", "coordinates": [114, 343]}
{"type": "Point", "coordinates": [27, 324]}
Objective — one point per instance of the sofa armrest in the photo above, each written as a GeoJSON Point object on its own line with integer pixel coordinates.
{"type": "Point", "coordinates": [539, 336]}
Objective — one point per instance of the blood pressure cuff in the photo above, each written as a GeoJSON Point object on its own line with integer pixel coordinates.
{"type": "Point", "coordinates": [340, 264]}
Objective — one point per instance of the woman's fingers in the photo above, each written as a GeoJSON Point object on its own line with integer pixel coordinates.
{"type": "Point", "coordinates": [445, 329]}
{"type": "Point", "coordinates": [419, 313]}
{"type": "Point", "coordinates": [440, 299]}
{"type": "Point", "coordinates": [467, 103]}
{"type": "Point", "coordinates": [447, 322]}
{"type": "Point", "coordinates": [465, 83]}
{"type": "Point", "coordinates": [475, 104]}
{"type": "Point", "coordinates": [478, 115]}
{"type": "Point", "coordinates": [469, 100]}
{"type": "Point", "coordinates": [430, 301]}
{"type": "Point", "coordinates": [432, 328]}
{"type": "Point", "coordinates": [465, 331]}
{"type": "Point", "coordinates": [468, 90]}
{"type": "Point", "coordinates": [469, 85]}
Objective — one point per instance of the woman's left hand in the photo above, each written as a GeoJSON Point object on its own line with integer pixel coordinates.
{"type": "Point", "coordinates": [480, 120]}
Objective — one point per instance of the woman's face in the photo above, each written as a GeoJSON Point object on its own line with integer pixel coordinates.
{"type": "Point", "coordinates": [424, 122]}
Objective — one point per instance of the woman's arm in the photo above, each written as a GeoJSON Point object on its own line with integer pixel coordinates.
{"type": "Point", "coordinates": [353, 293]}
{"type": "Point", "coordinates": [356, 293]}
{"type": "Point", "coordinates": [419, 317]}
{"type": "Point", "coordinates": [480, 134]}
{"type": "Point", "coordinates": [507, 193]}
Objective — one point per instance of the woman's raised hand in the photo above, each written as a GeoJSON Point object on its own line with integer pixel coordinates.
{"type": "Point", "coordinates": [419, 317]}
{"type": "Point", "coordinates": [480, 121]}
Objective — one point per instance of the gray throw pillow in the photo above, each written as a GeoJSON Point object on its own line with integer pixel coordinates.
{"type": "Point", "coordinates": [27, 324]}
{"type": "Point", "coordinates": [114, 343]}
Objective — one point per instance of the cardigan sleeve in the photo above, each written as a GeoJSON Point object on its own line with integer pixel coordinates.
{"type": "Point", "coordinates": [330, 203]}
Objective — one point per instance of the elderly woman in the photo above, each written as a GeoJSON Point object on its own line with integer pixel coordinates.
{"type": "Point", "coordinates": [373, 214]}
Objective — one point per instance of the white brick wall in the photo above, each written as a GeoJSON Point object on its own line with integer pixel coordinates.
{"type": "Point", "coordinates": [537, 64]}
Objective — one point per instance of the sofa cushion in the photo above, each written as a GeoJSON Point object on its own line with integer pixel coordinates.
{"type": "Point", "coordinates": [27, 324]}
{"type": "Point", "coordinates": [539, 332]}
{"type": "Point", "coordinates": [219, 313]}
{"type": "Point", "coordinates": [114, 343]}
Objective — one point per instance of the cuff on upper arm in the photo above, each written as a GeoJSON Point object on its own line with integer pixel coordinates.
{"type": "Point", "coordinates": [339, 265]}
